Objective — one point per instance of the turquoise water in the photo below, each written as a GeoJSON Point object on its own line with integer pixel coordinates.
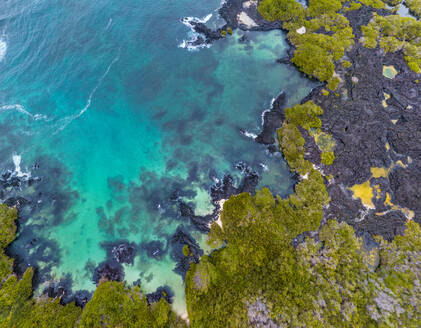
{"type": "Point", "coordinates": [98, 100]}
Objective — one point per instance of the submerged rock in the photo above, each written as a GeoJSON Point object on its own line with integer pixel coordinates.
{"type": "Point", "coordinates": [180, 239]}
{"type": "Point", "coordinates": [109, 270]}
{"type": "Point", "coordinates": [81, 297]}
{"type": "Point", "coordinates": [154, 249]}
{"type": "Point", "coordinates": [124, 253]}
{"type": "Point", "coordinates": [164, 292]}
{"type": "Point", "coordinates": [121, 251]}
{"type": "Point", "coordinates": [241, 14]}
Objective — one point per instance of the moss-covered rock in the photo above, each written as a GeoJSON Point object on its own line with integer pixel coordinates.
{"type": "Point", "coordinates": [327, 158]}
{"type": "Point", "coordinates": [393, 33]}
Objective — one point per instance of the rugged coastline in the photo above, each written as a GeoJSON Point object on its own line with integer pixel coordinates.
{"type": "Point", "coordinates": [369, 130]}
{"type": "Point", "coordinates": [355, 137]}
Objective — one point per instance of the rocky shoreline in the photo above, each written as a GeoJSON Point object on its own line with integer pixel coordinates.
{"type": "Point", "coordinates": [237, 14]}
{"type": "Point", "coordinates": [370, 132]}
{"type": "Point", "coordinates": [374, 121]}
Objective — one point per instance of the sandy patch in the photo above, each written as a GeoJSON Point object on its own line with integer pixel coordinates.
{"type": "Point", "coordinates": [250, 3]}
{"type": "Point", "coordinates": [244, 19]}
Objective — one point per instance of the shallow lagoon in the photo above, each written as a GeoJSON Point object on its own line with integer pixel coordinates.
{"type": "Point", "coordinates": [99, 101]}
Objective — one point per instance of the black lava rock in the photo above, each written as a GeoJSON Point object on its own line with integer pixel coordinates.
{"type": "Point", "coordinates": [110, 270]}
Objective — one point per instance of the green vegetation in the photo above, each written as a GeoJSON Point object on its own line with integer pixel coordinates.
{"type": "Point", "coordinates": [414, 7]}
{"type": "Point", "coordinates": [186, 250]}
{"type": "Point", "coordinates": [8, 217]}
{"type": "Point", "coordinates": [303, 116]}
{"type": "Point", "coordinates": [321, 34]}
{"type": "Point", "coordinates": [346, 64]}
{"type": "Point", "coordinates": [113, 304]}
{"type": "Point", "coordinates": [395, 33]}
{"type": "Point", "coordinates": [329, 282]}
{"type": "Point", "coordinates": [329, 279]}
{"type": "Point", "coordinates": [229, 30]}
{"type": "Point", "coordinates": [327, 158]}
{"type": "Point", "coordinates": [316, 52]}
{"type": "Point", "coordinates": [223, 287]}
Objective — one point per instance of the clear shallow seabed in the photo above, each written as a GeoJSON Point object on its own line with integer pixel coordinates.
{"type": "Point", "coordinates": [98, 100]}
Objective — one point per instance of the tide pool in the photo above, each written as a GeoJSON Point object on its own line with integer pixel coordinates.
{"type": "Point", "coordinates": [112, 117]}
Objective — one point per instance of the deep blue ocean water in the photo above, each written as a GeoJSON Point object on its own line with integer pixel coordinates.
{"type": "Point", "coordinates": [100, 103]}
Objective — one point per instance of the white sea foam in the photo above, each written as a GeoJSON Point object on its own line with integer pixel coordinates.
{"type": "Point", "coordinates": [249, 134]}
{"type": "Point", "coordinates": [110, 21]}
{"type": "Point", "coordinates": [189, 44]}
{"type": "Point", "coordinates": [189, 20]}
{"type": "Point", "coordinates": [3, 47]}
{"type": "Point", "coordinates": [263, 115]}
{"type": "Point", "coordinates": [264, 167]}
{"type": "Point", "coordinates": [270, 107]}
{"type": "Point", "coordinates": [20, 109]}
{"type": "Point", "coordinates": [68, 119]}
{"type": "Point", "coordinates": [17, 161]}
{"type": "Point", "coordinates": [16, 107]}
{"type": "Point", "coordinates": [215, 179]}
{"type": "Point", "coordinates": [41, 117]}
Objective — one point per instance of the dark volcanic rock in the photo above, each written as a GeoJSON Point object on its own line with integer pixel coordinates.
{"type": "Point", "coordinates": [121, 251]}
{"type": "Point", "coordinates": [154, 249]}
{"type": "Point", "coordinates": [272, 120]}
{"type": "Point", "coordinates": [178, 241]}
{"type": "Point", "coordinates": [368, 135]}
{"type": "Point", "coordinates": [63, 289]}
{"type": "Point", "coordinates": [110, 270]}
{"type": "Point", "coordinates": [80, 298]}
{"type": "Point", "coordinates": [124, 253]}
{"type": "Point", "coordinates": [222, 189]}
{"type": "Point", "coordinates": [406, 187]}
{"type": "Point", "coordinates": [161, 292]}
{"type": "Point", "coordinates": [230, 11]}
{"type": "Point", "coordinates": [225, 188]}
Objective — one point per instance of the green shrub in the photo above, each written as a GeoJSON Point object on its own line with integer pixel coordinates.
{"type": "Point", "coordinates": [414, 7]}
{"type": "Point", "coordinates": [394, 33]}
{"type": "Point", "coordinates": [8, 217]}
{"type": "Point", "coordinates": [314, 60]}
{"type": "Point", "coordinates": [327, 158]}
{"type": "Point", "coordinates": [116, 305]}
{"type": "Point", "coordinates": [333, 83]}
{"type": "Point", "coordinates": [346, 64]}
{"type": "Point", "coordinates": [186, 250]}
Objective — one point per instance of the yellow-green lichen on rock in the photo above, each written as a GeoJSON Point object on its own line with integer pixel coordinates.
{"type": "Point", "coordinates": [393, 33]}
{"type": "Point", "coordinates": [390, 72]}
{"type": "Point", "coordinates": [364, 192]}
